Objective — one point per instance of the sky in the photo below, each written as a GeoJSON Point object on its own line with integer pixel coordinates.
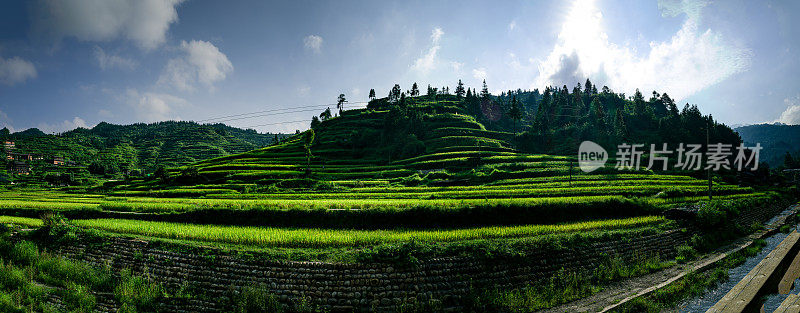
{"type": "Point", "coordinates": [75, 63]}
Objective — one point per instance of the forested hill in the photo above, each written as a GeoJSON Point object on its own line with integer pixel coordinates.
{"type": "Point", "coordinates": [777, 140]}
{"type": "Point", "coordinates": [113, 148]}
{"type": "Point", "coordinates": [557, 119]}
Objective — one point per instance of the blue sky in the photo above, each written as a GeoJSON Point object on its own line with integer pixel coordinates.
{"type": "Point", "coordinates": [71, 63]}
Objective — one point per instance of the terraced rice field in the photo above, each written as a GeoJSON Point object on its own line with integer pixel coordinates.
{"type": "Point", "coordinates": [323, 238]}
{"type": "Point", "coordinates": [466, 172]}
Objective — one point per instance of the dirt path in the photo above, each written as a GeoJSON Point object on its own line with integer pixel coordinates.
{"type": "Point", "coordinates": [623, 291]}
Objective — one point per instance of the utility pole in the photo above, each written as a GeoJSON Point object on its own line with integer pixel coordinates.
{"type": "Point", "coordinates": [708, 125]}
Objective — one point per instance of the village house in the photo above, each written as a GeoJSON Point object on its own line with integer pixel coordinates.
{"type": "Point", "coordinates": [8, 147]}
{"type": "Point", "coordinates": [24, 157]}
{"type": "Point", "coordinates": [58, 161]}
{"type": "Point", "coordinates": [19, 168]}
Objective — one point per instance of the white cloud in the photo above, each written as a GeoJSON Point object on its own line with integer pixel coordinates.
{"type": "Point", "coordinates": [5, 121]}
{"type": "Point", "coordinates": [791, 115]}
{"type": "Point", "coordinates": [479, 73]}
{"type": "Point", "coordinates": [456, 65]}
{"type": "Point", "coordinates": [690, 61]}
{"type": "Point", "coordinates": [144, 22]}
{"type": "Point", "coordinates": [514, 61]}
{"type": "Point", "coordinates": [202, 63]}
{"type": "Point", "coordinates": [63, 126]}
{"type": "Point", "coordinates": [313, 43]}
{"type": "Point", "coordinates": [428, 61]}
{"type": "Point", "coordinates": [304, 91]}
{"type": "Point", "coordinates": [15, 70]}
{"type": "Point", "coordinates": [436, 34]}
{"type": "Point", "coordinates": [673, 8]}
{"type": "Point", "coordinates": [153, 107]}
{"type": "Point", "coordinates": [108, 61]}
{"type": "Point", "coordinates": [512, 25]}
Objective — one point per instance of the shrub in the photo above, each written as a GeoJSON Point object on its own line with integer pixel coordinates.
{"type": "Point", "coordinates": [256, 299]}
{"type": "Point", "coordinates": [710, 216]}
{"type": "Point", "coordinates": [413, 180]}
{"type": "Point", "coordinates": [685, 253]}
{"type": "Point", "coordinates": [323, 186]}
{"type": "Point", "coordinates": [10, 277]}
{"type": "Point", "coordinates": [78, 298]}
{"type": "Point", "coordinates": [137, 293]}
{"type": "Point", "coordinates": [7, 304]}
{"type": "Point", "coordinates": [24, 253]}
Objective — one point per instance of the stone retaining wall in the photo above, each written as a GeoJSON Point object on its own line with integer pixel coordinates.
{"type": "Point", "coordinates": [362, 287]}
{"type": "Point", "coordinates": [354, 287]}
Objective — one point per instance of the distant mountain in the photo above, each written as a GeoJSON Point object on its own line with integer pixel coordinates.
{"type": "Point", "coordinates": [777, 139]}
{"type": "Point", "coordinates": [114, 148]}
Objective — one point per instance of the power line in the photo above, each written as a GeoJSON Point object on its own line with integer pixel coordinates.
{"type": "Point", "coordinates": [243, 114]}
{"type": "Point", "coordinates": [318, 106]}
{"type": "Point", "coordinates": [277, 123]}
{"type": "Point", "coordinates": [267, 114]}
{"type": "Point", "coordinates": [288, 122]}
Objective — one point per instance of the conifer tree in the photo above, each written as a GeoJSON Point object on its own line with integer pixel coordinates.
{"type": "Point", "coordinates": [414, 90]}
{"type": "Point", "coordinates": [460, 89]}
{"type": "Point", "coordinates": [340, 102]}
{"type": "Point", "coordinates": [515, 113]}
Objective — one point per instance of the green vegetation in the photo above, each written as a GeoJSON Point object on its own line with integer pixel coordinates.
{"type": "Point", "coordinates": [370, 213]}
{"type": "Point", "coordinates": [410, 178]}
{"type": "Point", "coordinates": [565, 286]}
{"type": "Point", "coordinates": [320, 238]}
{"type": "Point", "coordinates": [138, 149]}
{"type": "Point", "coordinates": [692, 285]}
{"type": "Point", "coordinates": [28, 277]}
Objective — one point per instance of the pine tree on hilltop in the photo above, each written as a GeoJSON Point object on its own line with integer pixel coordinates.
{"type": "Point", "coordinates": [340, 102]}
{"type": "Point", "coordinates": [485, 90]}
{"type": "Point", "coordinates": [403, 100]}
{"type": "Point", "coordinates": [314, 122]}
{"type": "Point", "coordinates": [460, 89]}
{"type": "Point", "coordinates": [325, 115]}
{"type": "Point", "coordinates": [515, 113]}
{"type": "Point", "coordinates": [394, 94]}
{"type": "Point", "coordinates": [588, 87]}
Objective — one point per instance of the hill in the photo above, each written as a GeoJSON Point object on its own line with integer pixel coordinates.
{"type": "Point", "coordinates": [425, 147]}
{"type": "Point", "coordinates": [407, 138]}
{"type": "Point", "coordinates": [412, 180]}
{"type": "Point", "coordinates": [776, 140]}
{"type": "Point", "coordinates": [111, 149]}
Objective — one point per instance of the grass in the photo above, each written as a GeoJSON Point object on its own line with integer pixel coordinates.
{"type": "Point", "coordinates": [346, 202]}
{"type": "Point", "coordinates": [29, 277]}
{"type": "Point", "coordinates": [469, 195]}
{"type": "Point", "coordinates": [34, 222]}
{"type": "Point", "coordinates": [565, 286]}
{"type": "Point", "coordinates": [693, 284]}
{"type": "Point", "coordinates": [321, 238]}
{"type": "Point", "coordinates": [384, 207]}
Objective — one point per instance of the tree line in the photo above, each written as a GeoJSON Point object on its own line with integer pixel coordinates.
{"type": "Point", "coordinates": [557, 119]}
